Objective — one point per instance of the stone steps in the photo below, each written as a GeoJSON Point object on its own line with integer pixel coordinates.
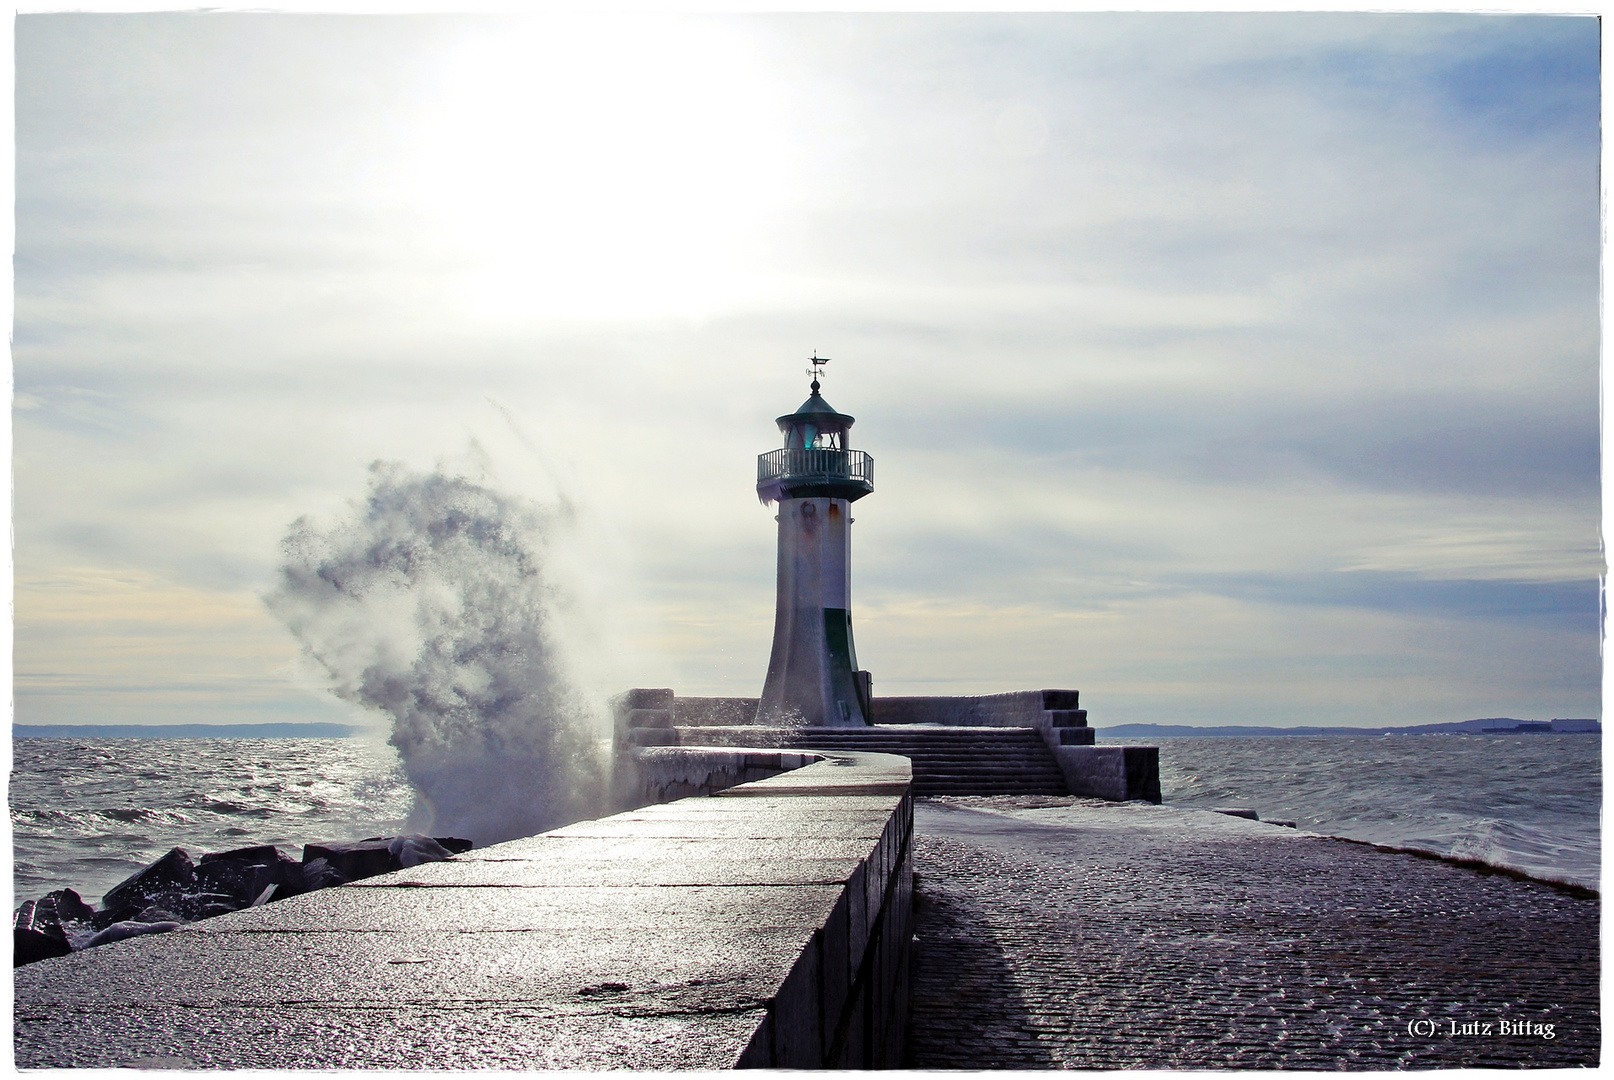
{"type": "Point", "coordinates": [946, 760]}
{"type": "Point", "coordinates": [926, 790]}
{"type": "Point", "coordinates": [954, 761]}
{"type": "Point", "coordinates": [1008, 767]}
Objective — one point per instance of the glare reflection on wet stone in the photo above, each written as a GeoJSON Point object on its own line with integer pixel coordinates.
{"type": "Point", "coordinates": [1082, 935]}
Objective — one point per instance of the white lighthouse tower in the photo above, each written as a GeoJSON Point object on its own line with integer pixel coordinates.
{"type": "Point", "coordinates": [813, 677]}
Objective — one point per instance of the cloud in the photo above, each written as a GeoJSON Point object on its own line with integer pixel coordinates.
{"type": "Point", "coordinates": [1147, 319]}
{"type": "Point", "coordinates": [1429, 443]}
{"type": "Point", "coordinates": [1567, 605]}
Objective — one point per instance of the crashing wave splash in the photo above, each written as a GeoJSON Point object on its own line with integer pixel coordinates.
{"type": "Point", "coordinates": [429, 603]}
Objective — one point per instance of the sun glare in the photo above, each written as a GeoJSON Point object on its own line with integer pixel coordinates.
{"type": "Point", "coordinates": [600, 167]}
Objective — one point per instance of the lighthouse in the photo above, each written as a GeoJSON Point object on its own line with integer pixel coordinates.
{"type": "Point", "coordinates": [813, 677]}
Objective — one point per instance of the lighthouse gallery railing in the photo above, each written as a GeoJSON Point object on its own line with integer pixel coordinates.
{"type": "Point", "coordinates": [793, 463]}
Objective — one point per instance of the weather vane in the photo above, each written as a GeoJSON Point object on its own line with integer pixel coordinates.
{"type": "Point", "coordinates": [817, 369]}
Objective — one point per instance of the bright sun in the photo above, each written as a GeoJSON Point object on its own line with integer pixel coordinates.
{"type": "Point", "coordinates": [600, 167]}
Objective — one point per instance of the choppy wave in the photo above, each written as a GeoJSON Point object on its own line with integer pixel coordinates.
{"type": "Point", "coordinates": [1530, 803]}
{"type": "Point", "coordinates": [86, 814]}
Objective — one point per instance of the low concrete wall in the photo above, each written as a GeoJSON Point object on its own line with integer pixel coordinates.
{"type": "Point", "coordinates": [664, 774]}
{"type": "Point", "coordinates": [844, 1004]}
{"type": "Point", "coordinates": [683, 711]}
{"type": "Point", "coordinates": [767, 925]}
{"type": "Point", "coordinates": [698, 736]}
{"type": "Point", "coordinates": [1119, 773]}
{"type": "Point", "coordinates": [1020, 708]}
{"type": "Point", "coordinates": [704, 711]}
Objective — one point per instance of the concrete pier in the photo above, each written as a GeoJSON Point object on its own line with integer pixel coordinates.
{"type": "Point", "coordinates": [1066, 933]}
{"type": "Point", "coordinates": [767, 925]}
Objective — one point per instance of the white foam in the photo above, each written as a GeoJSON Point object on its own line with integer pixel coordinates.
{"type": "Point", "coordinates": [429, 603]}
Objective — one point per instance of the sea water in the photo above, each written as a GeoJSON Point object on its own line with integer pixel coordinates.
{"type": "Point", "coordinates": [1528, 802]}
{"type": "Point", "coordinates": [86, 813]}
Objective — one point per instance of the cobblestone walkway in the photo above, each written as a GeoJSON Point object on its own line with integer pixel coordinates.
{"type": "Point", "coordinates": [1065, 933]}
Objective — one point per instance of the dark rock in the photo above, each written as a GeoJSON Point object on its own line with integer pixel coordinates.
{"type": "Point", "coordinates": [353, 859]}
{"type": "Point", "coordinates": [170, 876]}
{"type": "Point", "coordinates": [415, 849]}
{"type": "Point", "coordinates": [48, 927]}
{"type": "Point", "coordinates": [130, 911]}
{"type": "Point", "coordinates": [130, 928]}
{"type": "Point", "coordinates": [70, 907]}
{"type": "Point", "coordinates": [105, 917]}
{"type": "Point", "coordinates": [174, 890]}
{"type": "Point", "coordinates": [291, 878]}
{"type": "Point", "coordinates": [320, 874]}
{"type": "Point", "coordinates": [205, 905]}
{"type": "Point", "coordinates": [261, 853]}
{"type": "Point", "coordinates": [37, 934]}
{"type": "Point", "coordinates": [379, 854]}
{"type": "Point", "coordinates": [229, 877]}
{"type": "Point", "coordinates": [154, 914]}
{"type": "Point", "coordinates": [245, 873]}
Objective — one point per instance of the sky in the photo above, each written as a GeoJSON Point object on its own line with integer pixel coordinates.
{"type": "Point", "coordinates": [1228, 368]}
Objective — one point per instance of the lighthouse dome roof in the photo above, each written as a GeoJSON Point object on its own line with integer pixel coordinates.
{"type": "Point", "coordinates": [817, 411]}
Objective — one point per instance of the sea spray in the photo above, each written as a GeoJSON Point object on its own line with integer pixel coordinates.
{"type": "Point", "coordinates": [429, 603]}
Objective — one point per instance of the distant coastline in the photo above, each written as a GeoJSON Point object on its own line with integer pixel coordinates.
{"type": "Point", "coordinates": [182, 731]}
{"type": "Point", "coordinates": [1495, 725]}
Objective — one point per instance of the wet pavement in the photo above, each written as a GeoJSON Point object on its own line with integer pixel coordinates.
{"type": "Point", "coordinates": [698, 934]}
{"type": "Point", "coordinates": [1069, 933]}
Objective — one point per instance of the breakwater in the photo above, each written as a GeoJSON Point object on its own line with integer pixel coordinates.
{"type": "Point", "coordinates": [766, 925]}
